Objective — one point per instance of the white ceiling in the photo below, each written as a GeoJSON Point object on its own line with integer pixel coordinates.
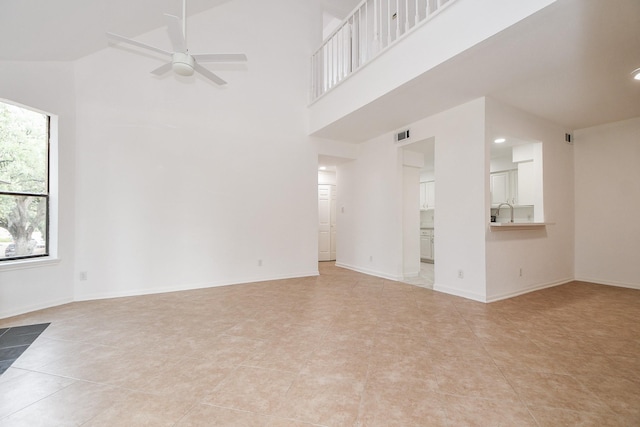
{"type": "Point", "coordinates": [65, 30]}
{"type": "Point", "coordinates": [569, 63]}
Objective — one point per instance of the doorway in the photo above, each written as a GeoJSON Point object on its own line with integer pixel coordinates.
{"type": "Point", "coordinates": [419, 212]}
{"type": "Point", "coordinates": [327, 222]}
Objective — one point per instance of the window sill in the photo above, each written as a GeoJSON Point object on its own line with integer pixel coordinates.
{"type": "Point", "coordinates": [28, 263]}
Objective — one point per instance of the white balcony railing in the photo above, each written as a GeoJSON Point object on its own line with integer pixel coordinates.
{"type": "Point", "coordinates": [370, 29]}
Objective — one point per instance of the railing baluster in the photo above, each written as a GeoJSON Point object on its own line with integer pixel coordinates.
{"type": "Point", "coordinates": [362, 36]}
{"type": "Point", "coordinates": [339, 53]}
{"type": "Point", "coordinates": [406, 16]}
{"type": "Point", "coordinates": [388, 22]}
{"type": "Point", "coordinates": [398, 19]}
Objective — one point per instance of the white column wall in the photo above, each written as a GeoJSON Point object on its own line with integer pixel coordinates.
{"type": "Point", "coordinates": [370, 225]}
{"type": "Point", "coordinates": [47, 86]}
{"type": "Point", "coordinates": [411, 221]}
{"type": "Point", "coordinates": [460, 197]}
{"type": "Point", "coordinates": [607, 177]}
{"type": "Point", "coordinates": [372, 195]}
{"type": "Point", "coordinates": [544, 255]}
{"type": "Point", "coordinates": [183, 184]}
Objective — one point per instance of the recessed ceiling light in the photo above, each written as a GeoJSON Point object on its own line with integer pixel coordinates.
{"type": "Point", "coordinates": [636, 74]}
{"type": "Point", "coordinates": [499, 140]}
{"type": "Point", "coordinates": [323, 168]}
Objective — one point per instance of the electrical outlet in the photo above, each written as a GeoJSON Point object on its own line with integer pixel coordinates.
{"type": "Point", "coordinates": [259, 263]}
{"type": "Point", "coordinates": [370, 258]}
{"type": "Point", "coordinates": [460, 274]}
{"type": "Point", "coordinates": [83, 275]}
{"type": "Point", "coordinates": [520, 272]}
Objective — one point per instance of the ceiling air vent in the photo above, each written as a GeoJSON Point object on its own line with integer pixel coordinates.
{"type": "Point", "coordinates": [401, 136]}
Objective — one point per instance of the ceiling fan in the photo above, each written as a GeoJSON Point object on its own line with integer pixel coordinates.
{"type": "Point", "coordinates": [182, 62]}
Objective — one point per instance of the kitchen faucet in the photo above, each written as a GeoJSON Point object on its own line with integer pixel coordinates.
{"type": "Point", "coordinates": [510, 207]}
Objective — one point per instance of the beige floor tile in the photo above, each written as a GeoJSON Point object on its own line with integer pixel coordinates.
{"type": "Point", "coordinates": [394, 368]}
{"type": "Point", "coordinates": [70, 406]}
{"type": "Point", "coordinates": [26, 389]}
{"type": "Point", "coordinates": [46, 350]}
{"type": "Point", "coordinates": [464, 411]}
{"type": "Point", "coordinates": [318, 399]}
{"type": "Point", "coordinates": [140, 409]}
{"type": "Point", "coordinates": [471, 377]}
{"type": "Point", "coordinates": [554, 390]}
{"type": "Point", "coordinates": [406, 403]}
{"type": "Point", "coordinates": [283, 422]}
{"type": "Point", "coordinates": [555, 417]}
{"type": "Point", "coordinates": [347, 348]}
{"type": "Point", "coordinates": [206, 415]}
{"type": "Point", "coordinates": [252, 389]}
{"type": "Point", "coordinates": [338, 363]}
{"type": "Point", "coordinates": [192, 379]}
{"type": "Point", "coordinates": [620, 394]}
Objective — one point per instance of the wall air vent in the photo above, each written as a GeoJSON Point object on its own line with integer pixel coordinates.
{"type": "Point", "coordinates": [401, 136]}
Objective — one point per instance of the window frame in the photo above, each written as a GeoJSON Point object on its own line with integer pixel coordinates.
{"type": "Point", "coordinates": [50, 197]}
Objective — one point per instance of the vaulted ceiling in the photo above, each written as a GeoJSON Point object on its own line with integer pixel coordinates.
{"type": "Point", "coordinates": [569, 63]}
{"type": "Point", "coordinates": [65, 30]}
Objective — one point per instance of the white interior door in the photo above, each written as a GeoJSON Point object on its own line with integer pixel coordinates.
{"type": "Point", "coordinates": [324, 222]}
{"type": "Point", "coordinates": [334, 213]}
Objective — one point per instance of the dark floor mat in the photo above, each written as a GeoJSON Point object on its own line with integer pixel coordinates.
{"type": "Point", "coordinates": [15, 340]}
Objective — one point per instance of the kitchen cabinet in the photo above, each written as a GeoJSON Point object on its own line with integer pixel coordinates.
{"type": "Point", "coordinates": [427, 195]}
{"type": "Point", "coordinates": [526, 183]}
{"type": "Point", "coordinates": [426, 244]}
{"type": "Point", "coordinates": [504, 187]}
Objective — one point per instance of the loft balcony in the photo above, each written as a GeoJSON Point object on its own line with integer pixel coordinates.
{"type": "Point", "coordinates": [373, 73]}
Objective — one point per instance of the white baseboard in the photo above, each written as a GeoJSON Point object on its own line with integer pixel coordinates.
{"type": "Point", "coordinates": [529, 289]}
{"type": "Point", "coordinates": [608, 282]}
{"type": "Point", "coordinates": [410, 276]}
{"type": "Point", "coordinates": [189, 287]}
{"type": "Point", "coordinates": [458, 293]}
{"type": "Point", "coordinates": [17, 311]}
{"type": "Point", "coordinates": [369, 272]}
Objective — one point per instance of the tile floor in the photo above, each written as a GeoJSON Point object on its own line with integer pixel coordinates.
{"type": "Point", "coordinates": [341, 349]}
{"type": "Point", "coordinates": [425, 277]}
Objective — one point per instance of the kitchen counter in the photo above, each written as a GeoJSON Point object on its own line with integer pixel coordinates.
{"type": "Point", "coordinates": [503, 226]}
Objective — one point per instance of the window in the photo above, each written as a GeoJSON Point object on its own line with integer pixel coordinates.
{"type": "Point", "coordinates": [24, 182]}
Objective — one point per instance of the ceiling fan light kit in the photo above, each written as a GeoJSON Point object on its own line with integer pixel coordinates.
{"type": "Point", "coordinates": [182, 62]}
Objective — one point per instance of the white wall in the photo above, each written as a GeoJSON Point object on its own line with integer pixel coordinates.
{"type": "Point", "coordinates": [327, 177]}
{"type": "Point", "coordinates": [372, 194]}
{"type": "Point", "coordinates": [47, 86]}
{"type": "Point", "coordinates": [183, 184]}
{"type": "Point", "coordinates": [545, 255]}
{"type": "Point", "coordinates": [411, 220]}
{"type": "Point", "coordinates": [607, 177]}
{"type": "Point", "coordinates": [459, 215]}
{"type": "Point", "coordinates": [370, 228]}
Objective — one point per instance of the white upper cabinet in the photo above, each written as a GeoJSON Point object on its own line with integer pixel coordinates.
{"type": "Point", "coordinates": [427, 195]}
{"type": "Point", "coordinates": [526, 183]}
{"type": "Point", "coordinates": [504, 187]}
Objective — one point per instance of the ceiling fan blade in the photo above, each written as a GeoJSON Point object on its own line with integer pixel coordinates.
{"type": "Point", "coordinates": [208, 74]}
{"type": "Point", "coordinates": [221, 57]}
{"type": "Point", "coordinates": [162, 69]}
{"type": "Point", "coordinates": [174, 27]}
{"type": "Point", "coordinates": [122, 39]}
